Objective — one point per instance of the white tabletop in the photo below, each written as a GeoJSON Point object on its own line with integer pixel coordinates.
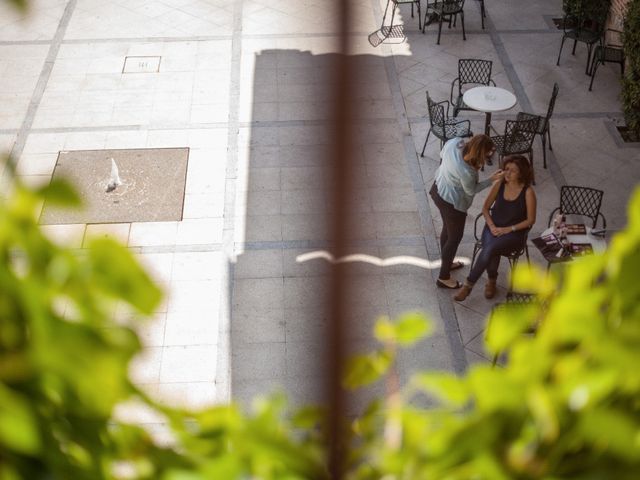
{"type": "Point", "coordinates": [489, 99]}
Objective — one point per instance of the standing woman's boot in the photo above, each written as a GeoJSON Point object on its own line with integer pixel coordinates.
{"type": "Point", "coordinates": [490, 288]}
{"type": "Point", "coordinates": [464, 291]}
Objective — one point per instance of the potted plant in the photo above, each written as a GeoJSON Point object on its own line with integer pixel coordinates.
{"type": "Point", "coordinates": [631, 79]}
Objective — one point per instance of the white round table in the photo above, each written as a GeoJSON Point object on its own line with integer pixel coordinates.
{"type": "Point", "coordinates": [489, 100]}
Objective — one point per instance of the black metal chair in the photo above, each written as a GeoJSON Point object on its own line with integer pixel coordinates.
{"type": "Point", "coordinates": [412, 2]}
{"type": "Point", "coordinates": [514, 301]}
{"type": "Point", "coordinates": [471, 71]}
{"type": "Point", "coordinates": [443, 126]}
{"type": "Point", "coordinates": [584, 201]}
{"type": "Point", "coordinates": [445, 10]}
{"type": "Point", "coordinates": [513, 257]}
{"type": "Point", "coordinates": [579, 28]}
{"type": "Point", "coordinates": [609, 51]}
{"type": "Point", "coordinates": [517, 139]}
{"type": "Point", "coordinates": [543, 128]}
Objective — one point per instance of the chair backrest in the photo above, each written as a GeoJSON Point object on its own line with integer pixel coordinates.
{"type": "Point", "coordinates": [583, 201]}
{"type": "Point", "coordinates": [437, 116]}
{"type": "Point", "coordinates": [519, 135]}
{"type": "Point", "coordinates": [552, 102]}
{"type": "Point", "coordinates": [471, 70]}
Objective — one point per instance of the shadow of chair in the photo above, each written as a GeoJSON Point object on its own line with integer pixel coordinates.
{"type": "Point", "coordinates": [543, 127]}
{"type": "Point", "coordinates": [392, 30]}
{"type": "Point", "coordinates": [444, 127]}
{"type": "Point", "coordinates": [471, 71]}
{"type": "Point", "coordinates": [517, 139]}
{"type": "Point", "coordinates": [513, 257]}
{"type": "Point", "coordinates": [579, 28]}
{"type": "Point", "coordinates": [583, 201]}
{"type": "Point", "coordinates": [445, 10]}
{"type": "Point", "coordinates": [609, 51]}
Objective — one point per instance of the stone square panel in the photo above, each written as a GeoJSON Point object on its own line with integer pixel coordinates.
{"type": "Point", "coordinates": [152, 189]}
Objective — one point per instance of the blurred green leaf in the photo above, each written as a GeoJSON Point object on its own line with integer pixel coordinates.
{"type": "Point", "coordinates": [407, 330]}
{"type": "Point", "coordinates": [507, 323]}
{"type": "Point", "coordinates": [118, 273]}
{"type": "Point", "coordinates": [18, 427]}
{"type": "Point", "coordinates": [614, 430]}
{"type": "Point", "coordinates": [493, 390]}
{"type": "Point", "coordinates": [543, 411]}
{"type": "Point", "coordinates": [60, 192]}
{"type": "Point", "coordinates": [446, 387]}
{"type": "Point", "coordinates": [531, 278]}
{"type": "Point", "coordinates": [21, 5]}
{"type": "Point", "coordinates": [365, 369]}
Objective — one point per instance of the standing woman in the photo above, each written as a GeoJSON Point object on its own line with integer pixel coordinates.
{"type": "Point", "coordinates": [453, 190]}
{"type": "Point", "coordinates": [509, 211]}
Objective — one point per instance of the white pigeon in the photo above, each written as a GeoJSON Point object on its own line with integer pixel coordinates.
{"type": "Point", "coordinates": [114, 180]}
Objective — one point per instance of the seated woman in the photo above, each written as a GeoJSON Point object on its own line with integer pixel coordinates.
{"type": "Point", "coordinates": [509, 211]}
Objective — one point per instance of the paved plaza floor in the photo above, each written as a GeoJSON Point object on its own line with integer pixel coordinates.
{"type": "Point", "coordinates": [244, 85]}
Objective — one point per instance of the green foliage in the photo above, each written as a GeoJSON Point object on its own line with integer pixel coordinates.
{"type": "Point", "coordinates": [565, 405]}
{"type": "Point", "coordinates": [21, 5]}
{"type": "Point", "coordinates": [365, 369]}
{"type": "Point", "coordinates": [595, 10]}
{"type": "Point", "coordinates": [64, 364]}
{"type": "Point", "coordinates": [631, 79]}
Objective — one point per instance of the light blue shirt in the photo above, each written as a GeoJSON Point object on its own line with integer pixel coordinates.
{"type": "Point", "coordinates": [457, 181]}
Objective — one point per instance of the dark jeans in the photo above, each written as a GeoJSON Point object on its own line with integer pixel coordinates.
{"type": "Point", "coordinates": [492, 247]}
{"type": "Point", "coordinates": [452, 231]}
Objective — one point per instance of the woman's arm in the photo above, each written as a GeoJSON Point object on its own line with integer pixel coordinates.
{"type": "Point", "coordinates": [531, 207]}
{"type": "Point", "coordinates": [493, 193]}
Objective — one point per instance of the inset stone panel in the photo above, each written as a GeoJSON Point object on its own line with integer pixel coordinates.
{"type": "Point", "coordinates": [141, 65]}
{"type": "Point", "coordinates": [152, 188]}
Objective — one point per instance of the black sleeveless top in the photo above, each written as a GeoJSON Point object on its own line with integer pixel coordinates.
{"type": "Point", "coordinates": [509, 212]}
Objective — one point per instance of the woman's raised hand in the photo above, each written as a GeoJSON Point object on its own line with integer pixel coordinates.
{"type": "Point", "coordinates": [497, 175]}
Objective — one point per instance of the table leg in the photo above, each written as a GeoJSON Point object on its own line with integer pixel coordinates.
{"type": "Point", "coordinates": [487, 124]}
{"type": "Point", "coordinates": [487, 130]}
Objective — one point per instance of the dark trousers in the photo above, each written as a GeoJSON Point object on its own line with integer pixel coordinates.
{"type": "Point", "coordinates": [492, 247]}
{"type": "Point", "coordinates": [452, 230]}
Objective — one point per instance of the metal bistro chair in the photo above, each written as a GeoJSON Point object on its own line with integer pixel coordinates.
{"type": "Point", "coordinates": [445, 10]}
{"type": "Point", "coordinates": [543, 123]}
{"type": "Point", "coordinates": [517, 139]}
{"type": "Point", "coordinates": [585, 201]}
{"type": "Point", "coordinates": [514, 301]}
{"type": "Point", "coordinates": [412, 2]}
{"type": "Point", "coordinates": [581, 29]}
{"type": "Point", "coordinates": [607, 52]}
{"type": "Point", "coordinates": [443, 126]}
{"type": "Point", "coordinates": [391, 30]}
{"type": "Point", "coordinates": [513, 257]}
{"type": "Point", "coordinates": [471, 71]}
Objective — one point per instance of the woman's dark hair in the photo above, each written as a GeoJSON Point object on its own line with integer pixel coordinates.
{"type": "Point", "coordinates": [526, 174]}
{"type": "Point", "coordinates": [476, 150]}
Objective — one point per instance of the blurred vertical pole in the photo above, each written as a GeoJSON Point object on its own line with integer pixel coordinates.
{"type": "Point", "coordinates": [341, 129]}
